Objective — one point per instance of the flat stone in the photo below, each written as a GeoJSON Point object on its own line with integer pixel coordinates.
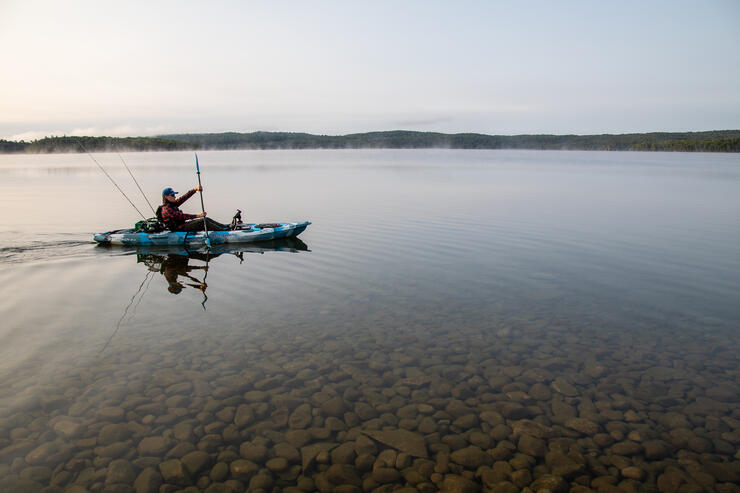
{"type": "Point", "coordinates": [492, 418]}
{"type": "Point", "coordinates": [111, 414]}
{"type": "Point", "coordinates": [532, 446]}
{"type": "Point", "coordinates": [310, 452]}
{"type": "Point", "coordinates": [243, 470]}
{"type": "Point", "coordinates": [40, 474]}
{"type": "Point", "coordinates": [287, 451]}
{"type": "Point", "coordinates": [69, 428]}
{"type": "Point", "coordinates": [458, 484]}
{"type": "Point", "coordinates": [114, 450]}
{"type": "Point", "coordinates": [385, 475]}
{"type": "Point", "coordinates": [627, 447]}
{"type": "Point", "coordinates": [253, 452]}
{"type": "Point", "coordinates": [244, 415]}
{"type": "Point", "coordinates": [219, 472]}
{"type": "Point", "coordinates": [555, 484]}
{"type": "Point", "coordinates": [540, 392]}
{"type": "Point", "coordinates": [403, 440]}
{"type": "Point", "coordinates": [256, 396]}
{"type": "Point", "coordinates": [530, 427]}
{"type": "Point", "coordinates": [113, 432]}
{"type": "Point", "coordinates": [343, 474]}
{"type": "Point", "coordinates": [633, 472]}
{"type": "Point", "coordinates": [277, 464]}
{"type": "Point", "coordinates": [471, 457]}
{"type": "Point", "coordinates": [120, 471]}
{"type": "Point", "coordinates": [564, 387]}
{"type": "Point", "coordinates": [334, 407]}
{"type": "Point", "coordinates": [174, 472]}
{"type": "Point", "coordinates": [344, 454]}
{"type": "Point", "coordinates": [563, 465]}
{"type": "Point", "coordinates": [301, 417]}
{"type": "Point", "coordinates": [153, 446]}
{"type": "Point", "coordinates": [148, 481]}
{"type": "Point", "coordinates": [195, 462]}
{"type": "Point", "coordinates": [582, 425]}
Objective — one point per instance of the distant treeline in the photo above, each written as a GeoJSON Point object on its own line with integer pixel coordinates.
{"type": "Point", "coordinates": [691, 145]}
{"type": "Point", "coordinates": [712, 141]}
{"type": "Point", "coordinates": [93, 144]}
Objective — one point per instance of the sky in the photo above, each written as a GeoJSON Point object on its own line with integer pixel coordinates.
{"type": "Point", "coordinates": [134, 68]}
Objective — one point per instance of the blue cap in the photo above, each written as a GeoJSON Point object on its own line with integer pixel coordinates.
{"type": "Point", "coordinates": [168, 191]}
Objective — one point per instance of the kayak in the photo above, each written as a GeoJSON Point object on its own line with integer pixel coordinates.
{"type": "Point", "coordinates": [245, 233]}
{"type": "Point", "coordinates": [291, 245]}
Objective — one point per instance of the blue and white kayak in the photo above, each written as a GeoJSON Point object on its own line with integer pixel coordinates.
{"type": "Point", "coordinates": [246, 233]}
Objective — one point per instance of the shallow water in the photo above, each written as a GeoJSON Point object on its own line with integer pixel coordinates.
{"type": "Point", "coordinates": [507, 319]}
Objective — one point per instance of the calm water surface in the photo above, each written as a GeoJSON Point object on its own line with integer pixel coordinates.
{"type": "Point", "coordinates": [451, 320]}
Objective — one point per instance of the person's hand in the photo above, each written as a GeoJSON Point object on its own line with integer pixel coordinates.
{"type": "Point", "coordinates": [202, 214]}
{"type": "Point", "coordinates": [198, 188]}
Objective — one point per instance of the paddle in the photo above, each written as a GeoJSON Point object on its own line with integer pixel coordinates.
{"type": "Point", "coordinates": [202, 207]}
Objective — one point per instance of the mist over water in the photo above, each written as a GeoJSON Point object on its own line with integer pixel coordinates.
{"type": "Point", "coordinates": [482, 299]}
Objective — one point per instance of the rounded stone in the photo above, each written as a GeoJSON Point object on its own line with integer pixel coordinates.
{"type": "Point", "coordinates": [219, 472]}
{"type": "Point", "coordinates": [277, 464]}
{"type": "Point", "coordinates": [153, 446]}
{"type": "Point", "coordinates": [385, 475]}
{"type": "Point", "coordinates": [243, 470]}
{"type": "Point", "coordinates": [253, 452]}
{"type": "Point", "coordinates": [120, 471]}
{"type": "Point", "coordinates": [633, 472]}
{"type": "Point", "coordinates": [471, 457]}
{"type": "Point", "coordinates": [148, 481]}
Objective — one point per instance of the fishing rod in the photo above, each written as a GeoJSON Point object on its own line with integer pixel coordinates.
{"type": "Point", "coordinates": [137, 184]}
{"type": "Point", "coordinates": [111, 179]}
{"type": "Point", "coordinates": [202, 207]}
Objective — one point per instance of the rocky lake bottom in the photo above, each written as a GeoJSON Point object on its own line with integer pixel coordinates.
{"type": "Point", "coordinates": [530, 404]}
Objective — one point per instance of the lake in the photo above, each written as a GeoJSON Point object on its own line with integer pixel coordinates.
{"type": "Point", "coordinates": [451, 320]}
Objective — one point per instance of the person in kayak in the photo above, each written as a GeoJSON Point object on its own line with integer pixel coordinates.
{"type": "Point", "coordinates": [176, 220]}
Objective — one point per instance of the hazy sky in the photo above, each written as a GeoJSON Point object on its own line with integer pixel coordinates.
{"type": "Point", "coordinates": [147, 67]}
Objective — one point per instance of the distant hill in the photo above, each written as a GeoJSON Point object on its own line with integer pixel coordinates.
{"type": "Point", "coordinates": [720, 140]}
{"type": "Point", "coordinates": [49, 145]}
{"type": "Point", "coordinates": [711, 141]}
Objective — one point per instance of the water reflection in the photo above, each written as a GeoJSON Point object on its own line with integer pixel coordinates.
{"type": "Point", "coordinates": [179, 264]}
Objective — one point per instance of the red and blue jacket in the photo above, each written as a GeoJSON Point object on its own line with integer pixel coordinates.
{"type": "Point", "coordinates": [172, 216]}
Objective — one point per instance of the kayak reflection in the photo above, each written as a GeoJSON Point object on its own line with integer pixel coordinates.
{"type": "Point", "coordinates": [179, 265]}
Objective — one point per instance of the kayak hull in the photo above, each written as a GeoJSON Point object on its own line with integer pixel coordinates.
{"type": "Point", "coordinates": [248, 233]}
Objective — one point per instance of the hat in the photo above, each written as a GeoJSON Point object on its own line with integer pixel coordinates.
{"type": "Point", "coordinates": [168, 191]}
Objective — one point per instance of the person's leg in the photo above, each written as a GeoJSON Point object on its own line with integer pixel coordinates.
{"type": "Point", "coordinates": [216, 226]}
{"type": "Point", "coordinates": [197, 225]}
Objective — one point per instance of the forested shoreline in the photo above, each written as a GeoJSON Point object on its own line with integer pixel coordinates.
{"type": "Point", "coordinates": [710, 141]}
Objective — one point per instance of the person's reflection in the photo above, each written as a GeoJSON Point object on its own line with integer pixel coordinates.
{"type": "Point", "coordinates": [174, 266]}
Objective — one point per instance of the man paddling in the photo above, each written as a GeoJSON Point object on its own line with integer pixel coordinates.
{"type": "Point", "coordinates": [176, 220]}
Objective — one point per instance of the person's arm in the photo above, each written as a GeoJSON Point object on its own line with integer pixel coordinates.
{"type": "Point", "coordinates": [185, 197]}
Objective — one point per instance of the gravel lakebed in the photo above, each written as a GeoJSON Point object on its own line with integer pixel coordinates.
{"type": "Point", "coordinates": [525, 405]}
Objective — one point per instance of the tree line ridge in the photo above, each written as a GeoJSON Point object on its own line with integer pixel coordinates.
{"type": "Point", "coordinates": [709, 141]}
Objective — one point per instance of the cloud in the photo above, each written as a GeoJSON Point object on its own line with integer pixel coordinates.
{"type": "Point", "coordinates": [125, 130]}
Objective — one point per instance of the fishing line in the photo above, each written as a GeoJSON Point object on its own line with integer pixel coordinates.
{"type": "Point", "coordinates": [137, 184]}
{"type": "Point", "coordinates": [125, 311]}
{"type": "Point", "coordinates": [111, 179]}
{"type": "Point", "coordinates": [133, 312]}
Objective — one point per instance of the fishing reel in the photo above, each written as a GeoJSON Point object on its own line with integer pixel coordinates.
{"type": "Point", "coordinates": [236, 221]}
